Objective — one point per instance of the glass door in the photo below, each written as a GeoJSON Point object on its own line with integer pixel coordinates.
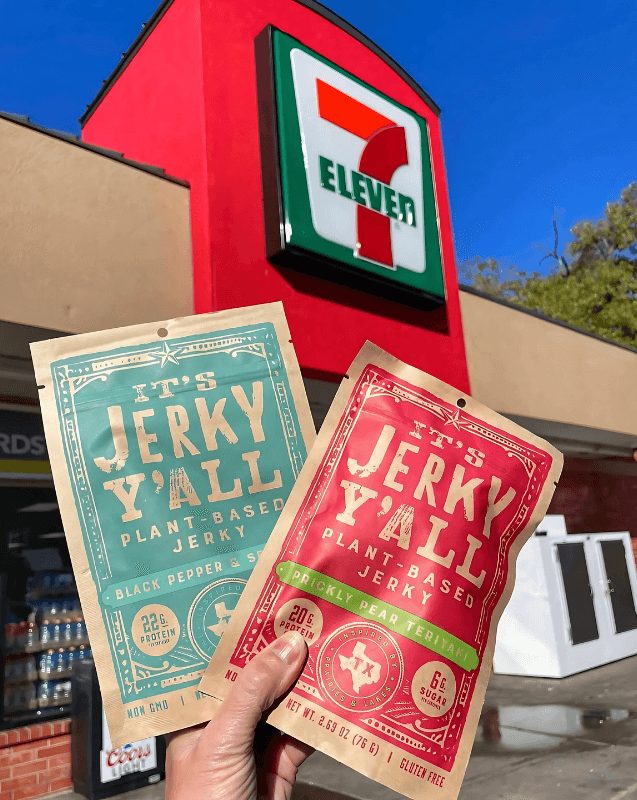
{"type": "Point", "coordinates": [578, 592]}
{"type": "Point", "coordinates": [618, 585]}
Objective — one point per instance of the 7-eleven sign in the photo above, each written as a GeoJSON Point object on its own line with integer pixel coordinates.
{"type": "Point", "coordinates": [356, 200]}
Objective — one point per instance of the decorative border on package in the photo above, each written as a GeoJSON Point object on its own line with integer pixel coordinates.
{"type": "Point", "coordinates": [70, 377]}
{"type": "Point", "coordinates": [373, 383]}
{"type": "Point", "coordinates": [395, 741]}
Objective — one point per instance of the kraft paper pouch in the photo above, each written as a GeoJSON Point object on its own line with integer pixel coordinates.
{"type": "Point", "coordinates": [394, 558]}
{"type": "Point", "coordinates": [174, 446]}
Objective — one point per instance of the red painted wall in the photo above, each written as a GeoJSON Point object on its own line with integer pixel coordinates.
{"type": "Point", "coordinates": [155, 114]}
{"type": "Point", "coordinates": [192, 85]}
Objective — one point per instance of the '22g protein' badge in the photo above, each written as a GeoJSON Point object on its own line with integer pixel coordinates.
{"type": "Point", "coordinates": [394, 559]}
{"type": "Point", "coordinates": [174, 447]}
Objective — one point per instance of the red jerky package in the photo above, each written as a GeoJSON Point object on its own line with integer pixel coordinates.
{"type": "Point", "coordinates": [394, 557]}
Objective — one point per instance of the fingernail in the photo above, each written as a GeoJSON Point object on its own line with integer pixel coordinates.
{"type": "Point", "coordinates": [288, 646]}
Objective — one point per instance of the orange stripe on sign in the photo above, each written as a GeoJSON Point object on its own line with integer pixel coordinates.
{"type": "Point", "coordinates": [347, 113]}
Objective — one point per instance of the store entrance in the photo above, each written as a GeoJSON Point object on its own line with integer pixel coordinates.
{"type": "Point", "coordinates": [42, 620]}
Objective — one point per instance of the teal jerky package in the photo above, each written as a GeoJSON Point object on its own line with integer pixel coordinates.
{"type": "Point", "coordinates": [174, 446]}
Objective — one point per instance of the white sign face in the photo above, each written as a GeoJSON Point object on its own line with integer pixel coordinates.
{"type": "Point", "coordinates": [119, 761]}
{"type": "Point", "coordinates": [363, 160]}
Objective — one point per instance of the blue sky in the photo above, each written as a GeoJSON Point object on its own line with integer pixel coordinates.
{"type": "Point", "coordinates": [538, 99]}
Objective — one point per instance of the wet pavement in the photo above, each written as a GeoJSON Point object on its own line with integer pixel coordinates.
{"type": "Point", "coordinates": [526, 729]}
{"type": "Point", "coordinates": [538, 738]}
{"type": "Point", "coordinates": [566, 738]}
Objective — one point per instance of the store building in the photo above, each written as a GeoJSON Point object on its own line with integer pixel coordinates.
{"type": "Point", "coordinates": [196, 95]}
{"type": "Point", "coordinates": [571, 387]}
{"type": "Point", "coordinates": [87, 240]}
{"type": "Point", "coordinates": [216, 203]}
{"type": "Point", "coordinates": [188, 221]}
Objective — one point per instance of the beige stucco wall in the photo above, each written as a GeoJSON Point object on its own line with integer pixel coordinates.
{"type": "Point", "coordinates": [523, 366]}
{"type": "Point", "coordinates": [87, 242]}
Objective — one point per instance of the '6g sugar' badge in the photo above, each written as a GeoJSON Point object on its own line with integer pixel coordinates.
{"type": "Point", "coordinates": [210, 614]}
{"type": "Point", "coordinates": [433, 688]}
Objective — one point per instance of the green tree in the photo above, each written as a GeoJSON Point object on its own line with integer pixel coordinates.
{"type": "Point", "coordinates": [596, 289]}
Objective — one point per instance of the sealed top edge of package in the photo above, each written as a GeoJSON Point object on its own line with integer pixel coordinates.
{"type": "Point", "coordinates": [394, 558]}
{"type": "Point", "coordinates": [173, 446]}
{"type": "Point", "coordinates": [79, 343]}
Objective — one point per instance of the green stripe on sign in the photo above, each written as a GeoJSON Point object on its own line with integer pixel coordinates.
{"type": "Point", "coordinates": [369, 607]}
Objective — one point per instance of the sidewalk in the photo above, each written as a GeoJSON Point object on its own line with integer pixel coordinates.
{"type": "Point", "coordinates": [539, 739]}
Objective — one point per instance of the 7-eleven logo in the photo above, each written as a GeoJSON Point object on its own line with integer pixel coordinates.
{"type": "Point", "coordinates": [385, 150]}
{"type": "Point", "coordinates": [363, 163]}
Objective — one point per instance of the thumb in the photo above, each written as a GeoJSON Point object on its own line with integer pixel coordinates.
{"type": "Point", "coordinates": [264, 679]}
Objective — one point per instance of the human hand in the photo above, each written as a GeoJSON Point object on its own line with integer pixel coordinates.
{"type": "Point", "coordinates": [225, 760]}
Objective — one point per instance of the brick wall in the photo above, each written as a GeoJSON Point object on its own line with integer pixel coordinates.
{"type": "Point", "coordinates": [35, 760]}
{"type": "Point", "coordinates": [594, 499]}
